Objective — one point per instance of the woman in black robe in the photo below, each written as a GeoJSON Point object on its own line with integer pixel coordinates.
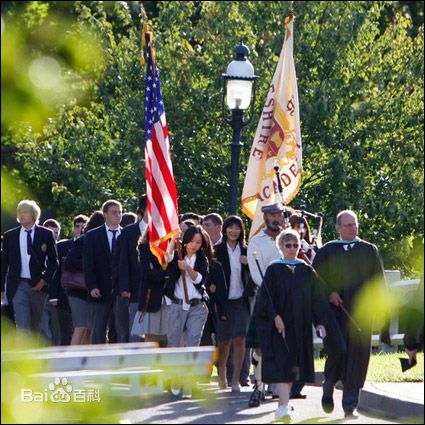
{"type": "Point", "coordinates": [288, 302]}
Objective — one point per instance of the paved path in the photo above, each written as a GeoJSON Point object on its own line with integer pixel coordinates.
{"type": "Point", "coordinates": [210, 405]}
{"type": "Point", "coordinates": [407, 391]}
{"type": "Point", "coordinates": [402, 399]}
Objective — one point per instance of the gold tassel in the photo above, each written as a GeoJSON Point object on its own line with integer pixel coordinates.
{"type": "Point", "coordinates": [144, 31]}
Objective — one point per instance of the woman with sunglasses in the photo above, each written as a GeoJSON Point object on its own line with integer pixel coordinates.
{"type": "Point", "coordinates": [288, 302]}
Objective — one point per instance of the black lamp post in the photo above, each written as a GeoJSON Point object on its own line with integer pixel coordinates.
{"type": "Point", "coordinates": [239, 82]}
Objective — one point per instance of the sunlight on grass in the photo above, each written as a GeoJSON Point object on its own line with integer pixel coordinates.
{"type": "Point", "coordinates": [385, 367]}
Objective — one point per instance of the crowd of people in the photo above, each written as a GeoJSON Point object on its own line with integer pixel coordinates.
{"type": "Point", "coordinates": [256, 302]}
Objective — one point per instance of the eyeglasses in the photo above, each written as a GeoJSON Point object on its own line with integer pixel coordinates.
{"type": "Point", "coordinates": [291, 245]}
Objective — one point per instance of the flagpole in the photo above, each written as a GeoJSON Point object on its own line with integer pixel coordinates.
{"type": "Point", "coordinates": [182, 272]}
{"type": "Point", "coordinates": [291, 9]}
{"type": "Point", "coordinates": [344, 310]}
{"type": "Point", "coordinates": [236, 145]}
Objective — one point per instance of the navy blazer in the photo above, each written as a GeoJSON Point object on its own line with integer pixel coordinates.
{"type": "Point", "coordinates": [201, 266]}
{"type": "Point", "coordinates": [56, 290]}
{"type": "Point", "coordinates": [43, 263]}
{"type": "Point", "coordinates": [153, 280]}
{"type": "Point", "coordinates": [74, 261]}
{"type": "Point", "coordinates": [128, 268]}
{"type": "Point", "coordinates": [97, 264]}
{"type": "Point", "coordinates": [217, 289]}
{"type": "Point", "coordinates": [222, 256]}
{"type": "Point", "coordinates": [74, 257]}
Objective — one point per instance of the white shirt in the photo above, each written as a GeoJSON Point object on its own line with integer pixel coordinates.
{"type": "Point", "coordinates": [142, 227]}
{"type": "Point", "coordinates": [267, 251]}
{"type": "Point", "coordinates": [110, 235]}
{"type": "Point", "coordinates": [25, 257]}
{"type": "Point", "coordinates": [219, 241]}
{"type": "Point", "coordinates": [236, 285]}
{"type": "Point", "coordinates": [192, 292]}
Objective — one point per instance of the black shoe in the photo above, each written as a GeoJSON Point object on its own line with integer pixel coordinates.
{"type": "Point", "coordinates": [298, 395]}
{"type": "Point", "coordinates": [351, 414]}
{"type": "Point", "coordinates": [268, 394]}
{"type": "Point", "coordinates": [327, 403]}
{"type": "Point", "coordinates": [255, 399]}
{"type": "Point", "coordinates": [245, 384]}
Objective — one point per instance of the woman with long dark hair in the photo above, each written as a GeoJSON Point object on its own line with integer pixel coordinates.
{"type": "Point", "coordinates": [188, 312]}
{"type": "Point", "coordinates": [233, 323]}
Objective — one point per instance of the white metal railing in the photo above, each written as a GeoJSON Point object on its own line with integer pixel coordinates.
{"type": "Point", "coordinates": [132, 369]}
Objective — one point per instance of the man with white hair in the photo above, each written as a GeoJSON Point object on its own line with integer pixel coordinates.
{"type": "Point", "coordinates": [349, 266]}
{"type": "Point", "coordinates": [28, 265]}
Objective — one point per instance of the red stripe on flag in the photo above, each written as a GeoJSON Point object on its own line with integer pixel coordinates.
{"type": "Point", "coordinates": [157, 198]}
{"type": "Point", "coordinates": [153, 232]}
{"type": "Point", "coordinates": [166, 172]}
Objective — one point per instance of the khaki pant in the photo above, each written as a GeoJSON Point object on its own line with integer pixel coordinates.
{"type": "Point", "coordinates": [190, 323]}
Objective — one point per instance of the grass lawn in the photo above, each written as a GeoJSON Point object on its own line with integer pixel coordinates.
{"type": "Point", "coordinates": [385, 367]}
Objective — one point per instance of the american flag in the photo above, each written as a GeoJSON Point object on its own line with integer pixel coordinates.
{"type": "Point", "coordinates": [160, 185]}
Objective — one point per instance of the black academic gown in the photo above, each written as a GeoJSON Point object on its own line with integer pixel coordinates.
{"type": "Point", "coordinates": [348, 272]}
{"type": "Point", "coordinates": [298, 299]}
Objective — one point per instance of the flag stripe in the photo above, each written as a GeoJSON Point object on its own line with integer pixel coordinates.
{"type": "Point", "coordinates": [166, 170]}
{"type": "Point", "coordinates": [161, 192]}
{"type": "Point", "coordinates": [159, 227]}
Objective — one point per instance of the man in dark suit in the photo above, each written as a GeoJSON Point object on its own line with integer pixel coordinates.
{"type": "Point", "coordinates": [28, 266]}
{"type": "Point", "coordinates": [127, 271]}
{"type": "Point", "coordinates": [99, 246]}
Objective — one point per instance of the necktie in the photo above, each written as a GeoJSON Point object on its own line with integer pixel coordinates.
{"type": "Point", "coordinates": [29, 241]}
{"type": "Point", "coordinates": [114, 239]}
{"type": "Point", "coordinates": [348, 247]}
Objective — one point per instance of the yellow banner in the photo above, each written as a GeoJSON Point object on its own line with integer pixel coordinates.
{"type": "Point", "coordinates": [277, 141]}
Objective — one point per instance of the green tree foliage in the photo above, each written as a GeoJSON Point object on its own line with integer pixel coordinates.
{"type": "Point", "coordinates": [360, 81]}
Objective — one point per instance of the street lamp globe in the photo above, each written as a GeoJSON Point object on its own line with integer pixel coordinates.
{"type": "Point", "coordinates": [239, 79]}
